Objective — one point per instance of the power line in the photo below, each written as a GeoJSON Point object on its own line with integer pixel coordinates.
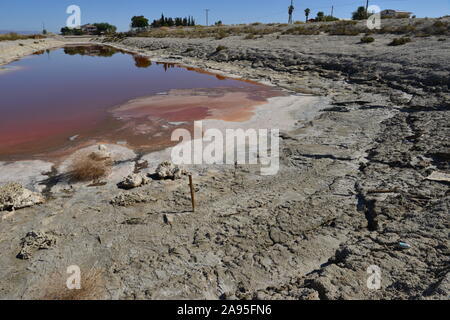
{"type": "Point", "coordinates": [291, 11]}
{"type": "Point", "coordinates": [207, 12]}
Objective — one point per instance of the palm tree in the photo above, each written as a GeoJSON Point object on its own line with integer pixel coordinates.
{"type": "Point", "coordinates": [307, 12]}
{"type": "Point", "coordinates": [360, 14]}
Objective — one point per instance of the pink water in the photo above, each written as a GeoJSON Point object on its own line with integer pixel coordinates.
{"type": "Point", "coordinates": [58, 100]}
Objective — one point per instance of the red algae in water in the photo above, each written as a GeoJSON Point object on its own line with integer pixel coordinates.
{"type": "Point", "coordinates": [58, 100]}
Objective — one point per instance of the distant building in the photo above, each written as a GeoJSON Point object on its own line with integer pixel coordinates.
{"type": "Point", "coordinates": [390, 13]}
{"type": "Point", "coordinates": [89, 29]}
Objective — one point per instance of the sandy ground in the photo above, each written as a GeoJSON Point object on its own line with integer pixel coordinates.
{"type": "Point", "coordinates": [13, 50]}
{"type": "Point", "coordinates": [352, 190]}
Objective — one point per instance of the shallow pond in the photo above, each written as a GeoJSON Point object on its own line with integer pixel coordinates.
{"type": "Point", "coordinates": [56, 101]}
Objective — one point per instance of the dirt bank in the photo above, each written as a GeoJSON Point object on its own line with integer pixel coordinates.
{"type": "Point", "coordinates": [13, 50]}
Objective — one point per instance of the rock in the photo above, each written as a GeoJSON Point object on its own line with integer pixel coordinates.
{"type": "Point", "coordinates": [308, 294]}
{"type": "Point", "coordinates": [257, 64]}
{"type": "Point", "coordinates": [102, 147]}
{"type": "Point", "coordinates": [401, 98]}
{"type": "Point", "coordinates": [168, 218]}
{"type": "Point", "coordinates": [439, 176]}
{"type": "Point", "coordinates": [133, 181]}
{"type": "Point", "coordinates": [73, 138]}
{"type": "Point", "coordinates": [134, 221]}
{"type": "Point", "coordinates": [167, 170]}
{"type": "Point", "coordinates": [129, 199]}
{"type": "Point", "coordinates": [35, 240]}
{"type": "Point", "coordinates": [15, 196]}
{"type": "Point", "coordinates": [442, 288]}
{"type": "Point", "coordinates": [404, 245]}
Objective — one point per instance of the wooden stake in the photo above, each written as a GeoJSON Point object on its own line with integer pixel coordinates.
{"type": "Point", "coordinates": [192, 192]}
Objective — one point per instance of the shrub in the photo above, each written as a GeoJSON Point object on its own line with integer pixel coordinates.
{"type": "Point", "coordinates": [222, 34]}
{"type": "Point", "coordinates": [440, 28]}
{"type": "Point", "coordinates": [300, 30]}
{"type": "Point", "coordinates": [92, 288]}
{"type": "Point", "coordinates": [14, 36]}
{"type": "Point", "coordinates": [400, 41]}
{"type": "Point", "coordinates": [341, 28]}
{"type": "Point", "coordinates": [221, 48]}
{"type": "Point", "coordinates": [87, 167]}
{"type": "Point", "coordinates": [367, 39]}
{"type": "Point", "coordinates": [217, 32]}
{"type": "Point", "coordinates": [344, 32]}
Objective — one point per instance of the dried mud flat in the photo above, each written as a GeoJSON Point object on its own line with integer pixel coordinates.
{"type": "Point", "coordinates": [356, 187]}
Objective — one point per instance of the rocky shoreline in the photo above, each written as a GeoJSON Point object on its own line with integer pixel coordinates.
{"type": "Point", "coordinates": [353, 190]}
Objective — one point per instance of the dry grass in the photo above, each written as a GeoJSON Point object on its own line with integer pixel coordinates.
{"type": "Point", "coordinates": [421, 27]}
{"type": "Point", "coordinates": [301, 30]}
{"type": "Point", "coordinates": [14, 36]}
{"type": "Point", "coordinates": [341, 28]}
{"type": "Point", "coordinates": [87, 167]}
{"type": "Point", "coordinates": [438, 28]}
{"type": "Point", "coordinates": [217, 32]}
{"type": "Point", "coordinates": [92, 287]}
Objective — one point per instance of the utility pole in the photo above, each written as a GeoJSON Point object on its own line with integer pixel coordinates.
{"type": "Point", "coordinates": [367, 7]}
{"type": "Point", "coordinates": [207, 12]}
{"type": "Point", "coordinates": [291, 11]}
{"type": "Point", "coordinates": [332, 11]}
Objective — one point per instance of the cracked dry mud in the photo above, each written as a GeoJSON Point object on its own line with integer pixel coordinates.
{"type": "Point", "coordinates": [352, 187]}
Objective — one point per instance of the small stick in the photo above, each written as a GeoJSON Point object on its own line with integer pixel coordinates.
{"type": "Point", "coordinates": [192, 192]}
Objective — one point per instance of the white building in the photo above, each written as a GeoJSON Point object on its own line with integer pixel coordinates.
{"type": "Point", "coordinates": [89, 29]}
{"type": "Point", "coordinates": [390, 13]}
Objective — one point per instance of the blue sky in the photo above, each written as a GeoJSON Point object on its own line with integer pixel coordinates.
{"type": "Point", "coordinates": [24, 15]}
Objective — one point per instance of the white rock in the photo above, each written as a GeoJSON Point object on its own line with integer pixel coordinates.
{"type": "Point", "coordinates": [15, 196]}
{"type": "Point", "coordinates": [133, 181]}
{"type": "Point", "coordinates": [167, 170]}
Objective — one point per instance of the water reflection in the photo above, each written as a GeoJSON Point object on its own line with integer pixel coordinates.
{"type": "Point", "coordinates": [93, 51]}
{"type": "Point", "coordinates": [142, 62]}
{"type": "Point", "coordinates": [70, 95]}
{"type": "Point", "coordinates": [166, 65]}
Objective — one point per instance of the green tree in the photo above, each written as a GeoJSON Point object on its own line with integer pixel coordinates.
{"type": "Point", "coordinates": [139, 22]}
{"type": "Point", "coordinates": [360, 14]}
{"type": "Point", "coordinates": [330, 18]}
{"type": "Point", "coordinates": [307, 12]}
{"type": "Point", "coordinates": [104, 27]}
{"type": "Point", "coordinates": [65, 31]}
{"type": "Point", "coordinates": [320, 16]}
